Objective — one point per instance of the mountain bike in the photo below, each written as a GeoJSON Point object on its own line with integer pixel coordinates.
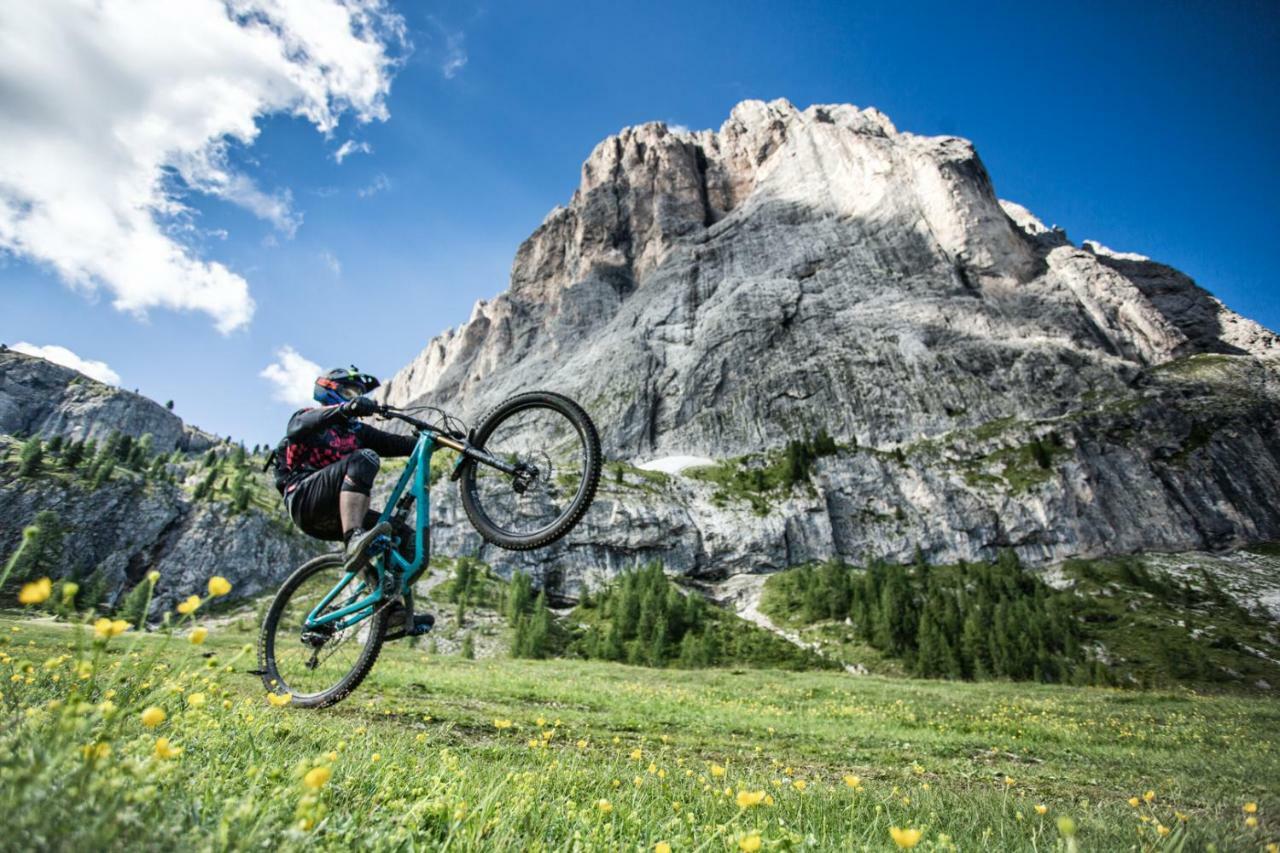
{"type": "Point", "coordinates": [527, 474]}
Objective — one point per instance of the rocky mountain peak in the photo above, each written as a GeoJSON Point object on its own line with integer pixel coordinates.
{"type": "Point", "coordinates": [714, 291]}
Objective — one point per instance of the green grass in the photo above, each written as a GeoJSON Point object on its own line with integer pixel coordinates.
{"type": "Point", "coordinates": [416, 759]}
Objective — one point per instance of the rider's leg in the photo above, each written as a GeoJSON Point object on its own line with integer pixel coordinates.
{"type": "Point", "coordinates": [357, 482]}
{"type": "Point", "coordinates": [352, 508]}
{"type": "Point", "coordinates": [353, 503]}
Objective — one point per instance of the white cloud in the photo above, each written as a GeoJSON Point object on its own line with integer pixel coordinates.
{"type": "Point", "coordinates": [455, 55]}
{"type": "Point", "coordinates": [293, 376]}
{"type": "Point", "coordinates": [350, 147]}
{"type": "Point", "coordinates": [379, 183]}
{"type": "Point", "coordinates": [61, 355]}
{"type": "Point", "coordinates": [115, 108]}
{"type": "Point", "coordinates": [331, 263]}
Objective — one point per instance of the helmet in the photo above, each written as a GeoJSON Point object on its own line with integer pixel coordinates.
{"type": "Point", "coordinates": [342, 384]}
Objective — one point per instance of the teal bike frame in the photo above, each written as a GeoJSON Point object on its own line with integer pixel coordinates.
{"type": "Point", "coordinates": [362, 602]}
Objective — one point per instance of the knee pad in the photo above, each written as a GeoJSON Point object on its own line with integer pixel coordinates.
{"type": "Point", "coordinates": [362, 467]}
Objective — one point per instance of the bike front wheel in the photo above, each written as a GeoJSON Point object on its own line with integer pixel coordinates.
{"type": "Point", "coordinates": [555, 449]}
{"type": "Point", "coordinates": [317, 667]}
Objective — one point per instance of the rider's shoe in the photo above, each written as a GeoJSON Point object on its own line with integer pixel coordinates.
{"type": "Point", "coordinates": [354, 554]}
{"type": "Point", "coordinates": [396, 627]}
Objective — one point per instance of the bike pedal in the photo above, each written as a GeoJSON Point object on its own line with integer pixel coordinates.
{"type": "Point", "coordinates": [422, 624]}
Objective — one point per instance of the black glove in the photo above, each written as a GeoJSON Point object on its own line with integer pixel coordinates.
{"type": "Point", "coordinates": [359, 407]}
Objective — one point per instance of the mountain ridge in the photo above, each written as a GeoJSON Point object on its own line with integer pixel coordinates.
{"type": "Point", "coordinates": [723, 293]}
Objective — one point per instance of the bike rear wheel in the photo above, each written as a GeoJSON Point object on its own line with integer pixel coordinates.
{"type": "Point", "coordinates": [318, 668]}
{"type": "Point", "coordinates": [558, 449]}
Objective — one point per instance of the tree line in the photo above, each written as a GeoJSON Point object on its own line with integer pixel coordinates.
{"type": "Point", "coordinates": [969, 621]}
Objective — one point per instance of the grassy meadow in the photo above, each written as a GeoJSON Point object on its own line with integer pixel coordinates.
{"type": "Point", "coordinates": [152, 741]}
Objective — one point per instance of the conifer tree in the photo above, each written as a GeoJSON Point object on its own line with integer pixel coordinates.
{"type": "Point", "coordinates": [30, 457]}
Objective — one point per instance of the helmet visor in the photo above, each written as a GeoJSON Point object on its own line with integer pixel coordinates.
{"type": "Point", "coordinates": [348, 392]}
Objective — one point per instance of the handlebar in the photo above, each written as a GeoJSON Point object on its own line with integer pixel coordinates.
{"type": "Point", "coordinates": [394, 413]}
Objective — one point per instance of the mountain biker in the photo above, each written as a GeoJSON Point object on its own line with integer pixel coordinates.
{"type": "Point", "coordinates": [326, 464]}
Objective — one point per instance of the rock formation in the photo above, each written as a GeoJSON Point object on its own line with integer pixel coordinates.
{"type": "Point", "coordinates": [132, 524]}
{"type": "Point", "coordinates": [719, 293]}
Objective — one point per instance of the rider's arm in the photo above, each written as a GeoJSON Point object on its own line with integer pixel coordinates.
{"type": "Point", "coordinates": [309, 420]}
{"type": "Point", "coordinates": [385, 443]}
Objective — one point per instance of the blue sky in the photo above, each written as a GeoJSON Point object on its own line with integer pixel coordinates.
{"type": "Point", "coordinates": [1148, 129]}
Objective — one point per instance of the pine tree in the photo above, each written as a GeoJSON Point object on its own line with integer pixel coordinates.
{"type": "Point", "coordinates": [468, 647]}
{"type": "Point", "coordinates": [55, 446]}
{"type": "Point", "coordinates": [519, 596]}
{"type": "Point", "coordinates": [136, 604]}
{"type": "Point", "coordinates": [204, 489]}
{"type": "Point", "coordinates": [102, 471]}
{"type": "Point", "coordinates": [30, 457]}
{"type": "Point", "coordinates": [73, 455]}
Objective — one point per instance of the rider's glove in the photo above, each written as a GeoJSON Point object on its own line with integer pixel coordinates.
{"type": "Point", "coordinates": [359, 407]}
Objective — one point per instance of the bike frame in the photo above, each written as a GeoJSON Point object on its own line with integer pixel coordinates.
{"type": "Point", "coordinates": [357, 608]}
{"type": "Point", "coordinates": [413, 486]}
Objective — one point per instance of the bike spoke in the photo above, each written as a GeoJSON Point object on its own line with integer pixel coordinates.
{"type": "Point", "coordinates": [303, 666]}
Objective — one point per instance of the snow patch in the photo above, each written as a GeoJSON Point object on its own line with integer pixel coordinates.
{"type": "Point", "coordinates": [674, 464]}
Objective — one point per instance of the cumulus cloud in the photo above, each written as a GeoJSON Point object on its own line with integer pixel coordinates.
{"type": "Point", "coordinates": [61, 355]}
{"type": "Point", "coordinates": [350, 147]}
{"type": "Point", "coordinates": [293, 377]}
{"type": "Point", "coordinates": [115, 110]}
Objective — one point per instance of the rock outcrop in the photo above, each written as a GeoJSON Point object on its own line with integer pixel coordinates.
{"type": "Point", "coordinates": [40, 397]}
{"type": "Point", "coordinates": [719, 293]}
{"type": "Point", "coordinates": [131, 524]}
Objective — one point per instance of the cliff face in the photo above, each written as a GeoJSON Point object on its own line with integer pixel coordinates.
{"type": "Point", "coordinates": [134, 522]}
{"type": "Point", "coordinates": [38, 396]}
{"type": "Point", "coordinates": [721, 293]}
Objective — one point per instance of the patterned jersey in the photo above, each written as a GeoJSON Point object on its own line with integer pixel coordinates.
{"type": "Point", "coordinates": [319, 437]}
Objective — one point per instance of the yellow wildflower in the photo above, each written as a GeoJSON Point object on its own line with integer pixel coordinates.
{"type": "Point", "coordinates": [153, 717]}
{"type": "Point", "coordinates": [186, 608]}
{"type": "Point", "coordinates": [69, 590]}
{"type": "Point", "coordinates": [198, 635]}
{"type": "Point", "coordinates": [1041, 809]}
{"type": "Point", "coordinates": [750, 799]}
{"type": "Point", "coordinates": [196, 700]}
{"type": "Point", "coordinates": [165, 751]}
{"type": "Point", "coordinates": [582, 744]}
{"type": "Point", "coordinates": [1149, 796]}
{"type": "Point", "coordinates": [749, 843]}
{"type": "Point", "coordinates": [502, 724]}
{"type": "Point", "coordinates": [635, 754]}
{"type": "Point", "coordinates": [218, 585]}
{"type": "Point", "coordinates": [279, 700]}
{"type": "Point", "coordinates": [1134, 801]}
{"type": "Point", "coordinates": [1008, 781]}
{"type": "Point", "coordinates": [35, 592]}
{"type": "Point", "coordinates": [717, 771]}
{"type": "Point", "coordinates": [1251, 822]}
{"type": "Point", "coordinates": [800, 784]}
{"type": "Point", "coordinates": [604, 806]}
{"type": "Point", "coordinates": [662, 847]}
{"type": "Point", "coordinates": [153, 576]}
{"type": "Point", "coordinates": [317, 777]}
{"type": "Point", "coordinates": [376, 757]}
{"type": "Point", "coordinates": [1162, 830]}
{"type": "Point", "coordinates": [1250, 808]}
{"type": "Point", "coordinates": [904, 838]}
{"type": "Point", "coordinates": [852, 781]}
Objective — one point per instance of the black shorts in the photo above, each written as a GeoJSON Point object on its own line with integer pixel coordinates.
{"type": "Point", "coordinates": [313, 506]}
{"type": "Point", "coordinates": [313, 503]}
